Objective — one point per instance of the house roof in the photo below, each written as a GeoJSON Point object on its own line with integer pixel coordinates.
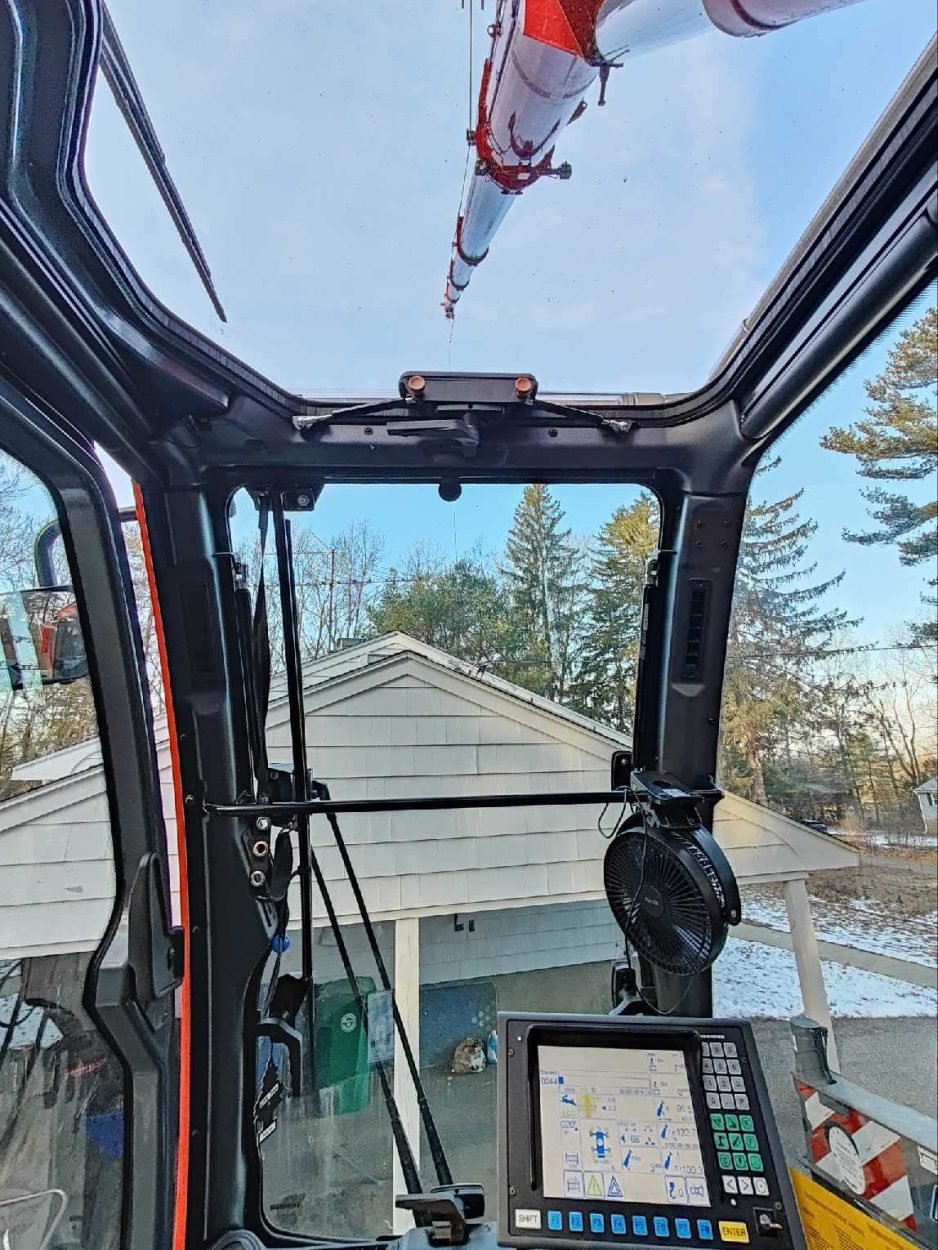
{"type": "Point", "coordinates": [927, 787]}
{"type": "Point", "coordinates": [318, 672]}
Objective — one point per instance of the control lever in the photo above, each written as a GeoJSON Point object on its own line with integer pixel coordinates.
{"type": "Point", "coordinates": [278, 1024]}
{"type": "Point", "coordinates": [450, 1209]}
{"type": "Point", "coordinates": [767, 1222]}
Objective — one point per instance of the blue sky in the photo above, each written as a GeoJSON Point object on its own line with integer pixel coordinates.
{"type": "Point", "coordinates": [320, 150]}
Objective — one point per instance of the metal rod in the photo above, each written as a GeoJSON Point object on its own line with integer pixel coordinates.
{"type": "Point", "coordinates": [293, 663]}
{"type": "Point", "coordinates": [443, 1174]}
{"type": "Point", "coordinates": [289, 809]}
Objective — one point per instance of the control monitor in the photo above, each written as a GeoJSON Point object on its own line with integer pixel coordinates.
{"type": "Point", "coordinates": [615, 1130]}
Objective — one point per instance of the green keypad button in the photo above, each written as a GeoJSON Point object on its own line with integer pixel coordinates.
{"type": "Point", "coordinates": [756, 1164]}
{"type": "Point", "coordinates": [732, 1123]}
{"type": "Point", "coordinates": [725, 1161]}
{"type": "Point", "coordinates": [721, 1141]}
{"type": "Point", "coordinates": [736, 1141]}
{"type": "Point", "coordinates": [717, 1121]}
{"type": "Point", "coordinates": [739, 1162]}
{"type": "Point", "coordinates": [752, 1142]}
{"type": "Point", "coordinates": [746, 1124]}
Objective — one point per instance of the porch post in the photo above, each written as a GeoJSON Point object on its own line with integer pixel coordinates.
{"type": "Point", "coordinates": [407, 994]}
{"type": "Point", "coordinates": [808, 959]}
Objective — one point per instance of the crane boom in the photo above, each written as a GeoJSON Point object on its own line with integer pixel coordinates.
{"type": "Point", "coordinates": [544, 56]}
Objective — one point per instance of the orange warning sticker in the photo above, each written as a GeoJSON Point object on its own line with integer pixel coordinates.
{"type": "Point", "coordinates": [830, 1223]}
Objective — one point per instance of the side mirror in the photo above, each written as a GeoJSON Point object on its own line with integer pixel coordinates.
{"type": "Point", "coordinates": [41, 637]}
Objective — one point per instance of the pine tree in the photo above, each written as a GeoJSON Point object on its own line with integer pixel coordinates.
{"type": "Point", "coordinates": [543, 571]}
{"type": "Point", "coordinates": [897, 441]}
{"type": "Point", "coordinates": [605, 687]}
{"type": "Point", "coordinates": [778, 627]}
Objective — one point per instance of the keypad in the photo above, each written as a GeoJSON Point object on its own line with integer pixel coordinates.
{"type": "Point", "coordinates": [739, 1156]}
{"type": "Point", "coordinates": [555, 1221]}
{"type": "Point", "coordinates": [639, 1226]}
{"type": "Point", "coordinates": [662, 1226]}
{"type": "Point", "coordinates": [705, 1230]}
{"type": "Point", "coordinates": [575, 1221]}
{"type": "Point", "coordinates": [682, 1229]}
{"type": "Point", "coordinates": [617, 1224]}
{"type": "Point", "coordinates": [597, 1222]}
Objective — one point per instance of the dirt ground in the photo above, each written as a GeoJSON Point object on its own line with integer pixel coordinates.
{"type": "Point", "coordinates": [905, 884]}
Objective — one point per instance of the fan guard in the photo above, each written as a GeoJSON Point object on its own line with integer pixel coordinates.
{"type": "Point", "coordinates": [673, 894]}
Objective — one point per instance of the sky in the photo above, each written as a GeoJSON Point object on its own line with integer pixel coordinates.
{"type": "Point", "coordinates": [320, 149]}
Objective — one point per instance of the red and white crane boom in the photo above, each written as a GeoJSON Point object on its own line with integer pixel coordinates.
{"type": "Point", "coordinates": [545, 54]}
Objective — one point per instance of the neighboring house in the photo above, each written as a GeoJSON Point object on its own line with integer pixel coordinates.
{"type": "Point", "coordinates": [502, 898]}
{"type": "Point", "coordinates": [394, 717]}
{"type": "Point", "coordinates": [927, 795]}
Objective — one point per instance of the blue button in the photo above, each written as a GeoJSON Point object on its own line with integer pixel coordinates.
{"type": "Point", "coordinates": [682, 1228]}
{"type": "Point", "coordinates": [575, 1220]}
{"type": "Point", "coordinates": [639, 1226]}
{"type": "Point", "coordinates": [662, 1228]}
{"type": "Point", "coordinates": [597, 1222]}
{"type": "Point", "coordinates": [618, 1224]}
{"type": "Point", "coordinates": [705, 1230]}
{"type": "Point", "coordinates": [555, 1221]}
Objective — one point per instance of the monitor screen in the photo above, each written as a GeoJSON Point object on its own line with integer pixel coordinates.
{"type": "Point", "coordinates": [618, 1125]}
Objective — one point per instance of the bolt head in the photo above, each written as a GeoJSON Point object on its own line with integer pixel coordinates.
{"type": "Point", "coordinates": [262, 824]}
{"type": "Point", "coordinates": [257, 879]}
{"type": "Point", "coordinates": [416, 384]}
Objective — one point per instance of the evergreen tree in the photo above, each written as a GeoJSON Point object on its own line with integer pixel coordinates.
{"type": "Point", "coordinates": [543, 572]}
{"type": "Point", "coordinates": [778, 627]}
{"type": "Point", "coordinates": [897, 441]}
{"type": "Point", "coordinates": [460, 608]}
{"type": "Point", "coordinates": [605, 686]}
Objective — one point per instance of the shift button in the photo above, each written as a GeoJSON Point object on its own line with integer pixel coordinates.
{"type": "Point", "coordinates": [734, 1231]}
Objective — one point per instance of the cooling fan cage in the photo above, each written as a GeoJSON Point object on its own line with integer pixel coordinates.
{"type": "Point", "coordinates": [673, 894]}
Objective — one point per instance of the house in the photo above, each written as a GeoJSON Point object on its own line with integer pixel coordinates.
{"type": "Point", "coordinates": [456, 895]}
{"type": "Point", "coordinates": [927, 795]}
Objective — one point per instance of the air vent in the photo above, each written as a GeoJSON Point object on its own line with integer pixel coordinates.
{"type": "Point", "coordinates": [696, 625]}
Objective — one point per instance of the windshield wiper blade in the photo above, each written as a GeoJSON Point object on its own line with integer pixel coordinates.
{"type": "Point", "coordinates": [120, 78]}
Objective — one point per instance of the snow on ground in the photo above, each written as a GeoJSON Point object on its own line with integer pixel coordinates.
{"type": "Point", "coordinates": [750, 979]}
{"type": "Point", "coordinates": [862, 923]}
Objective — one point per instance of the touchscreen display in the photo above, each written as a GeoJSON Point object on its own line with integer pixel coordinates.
{"type": "Point", "coordinates": [618, 1125]}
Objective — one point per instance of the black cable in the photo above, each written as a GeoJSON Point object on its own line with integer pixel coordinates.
{"type": "Point", "coordinates": [260, 648]}
{"type": "Point", "coordinates": [408, 1164]}
{"type": "Point", "coordinates": [308, 863]}
{"type": "Point", "coordinates": [438, 1154]}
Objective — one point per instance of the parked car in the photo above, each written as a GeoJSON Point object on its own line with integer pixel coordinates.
{"type": "Point", "coordinates": [817, 825]}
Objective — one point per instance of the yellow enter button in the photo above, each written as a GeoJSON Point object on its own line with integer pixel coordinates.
{"type": "Point", "coordinates": [731, 1230]}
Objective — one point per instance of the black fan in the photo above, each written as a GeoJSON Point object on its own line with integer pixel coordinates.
{"type": "Point", "coordinates": [672, 893]}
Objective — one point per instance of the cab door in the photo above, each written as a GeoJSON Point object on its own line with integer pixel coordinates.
{"type": "Point", "coordinates": [88, 958]}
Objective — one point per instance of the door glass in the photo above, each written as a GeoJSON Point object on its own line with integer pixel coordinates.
{"type": "Point", "coordinates": [61, 1100]}
{"type": "Point", "coordinates": [829, 729]}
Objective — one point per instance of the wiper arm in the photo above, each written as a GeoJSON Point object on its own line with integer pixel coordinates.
{"type": "Point", "coordinates": [120, 78]}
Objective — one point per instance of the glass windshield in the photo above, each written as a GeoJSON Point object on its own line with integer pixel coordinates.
{"type": "Point", "coordinates": [322, 154]}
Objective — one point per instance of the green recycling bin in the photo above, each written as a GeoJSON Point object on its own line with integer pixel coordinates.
{"type": "Point", "coordinates": [340, 1047]}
